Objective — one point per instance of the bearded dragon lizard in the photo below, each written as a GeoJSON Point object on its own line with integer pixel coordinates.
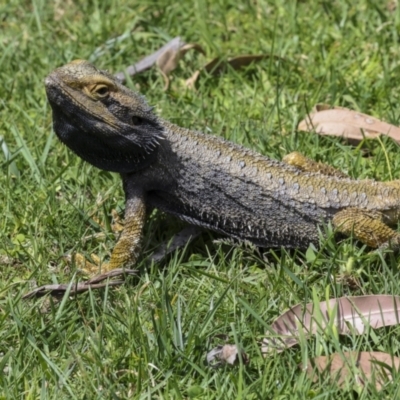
{"type": "Point", "coordinates": [206, 180]}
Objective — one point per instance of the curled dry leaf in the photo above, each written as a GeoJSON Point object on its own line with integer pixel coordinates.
{"type": "Point", "coordinates": [218, 65]}
{"type": "Point", "coordinates": [169, 60]}
{"type": "Point", "coordinates": [362, 368]}
{"type": "Point", "coordinates": [226, 354]}
{"type": "Point", "coordinates": [350, 124]}
{"type": "Point", "coordinates": [166, 58]}
{"type": "Point", "coordinates": [345, 314]}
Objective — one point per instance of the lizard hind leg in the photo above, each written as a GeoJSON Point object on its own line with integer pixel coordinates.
{"type": "Point", "coordinates": [306, 164]}
{"type": "Point", "coordinates": [367, 226]}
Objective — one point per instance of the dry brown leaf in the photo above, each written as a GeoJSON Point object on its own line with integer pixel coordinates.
{"type": "Point", "coordinates": [345, 314]}
{"type": "Point", "coordinates": [169, 60]}
{"type": "Point", "coordinates": [362, 368]}
{"type": "Point", "coordinates": [166, 58]}
{"type": "Point", "coordinates": [226, 354]}
{"type": "Point", "coordinates": [350, 124]}
{"type": "Point", "coordinates": [392, 5]}
{"type": "Point", "coordinates": [148, 61]}
{"type": "Point", "coordinates": [7, 260]}
{"type": "Point", "coordinates": [218, 65]}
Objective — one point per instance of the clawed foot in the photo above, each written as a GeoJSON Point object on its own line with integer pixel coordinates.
{"type": "Point", "coordinates": [87, 268]}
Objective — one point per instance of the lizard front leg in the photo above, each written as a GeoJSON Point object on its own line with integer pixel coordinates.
{"type": "Point", "coordinates": [306, 164]}
{"type": "Point", "coordinates": [367, 226]}
{"type": "Point", "coordinates": [127, 249]}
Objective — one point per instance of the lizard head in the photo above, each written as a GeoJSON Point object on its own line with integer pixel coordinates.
{"type": "Point", "coordinates": [101, 120]}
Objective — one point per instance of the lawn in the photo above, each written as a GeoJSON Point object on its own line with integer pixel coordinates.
{"type": "Point", "coordinates": [148, 339]}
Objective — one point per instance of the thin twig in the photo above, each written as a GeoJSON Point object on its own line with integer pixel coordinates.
{"type": "Point", "coordinates": [58, 290]}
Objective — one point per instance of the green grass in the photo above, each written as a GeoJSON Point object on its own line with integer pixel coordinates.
{"type": "Point", "coordinates": [148, 339]}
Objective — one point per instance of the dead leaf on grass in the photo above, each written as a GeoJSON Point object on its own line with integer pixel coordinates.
{"type": "Point", "coordinates": [345, 314]}
{"type": "Point", "coordinates": [350, 124]}
{"type": "Point", "coordinates": [362, 368]}
{"type": "Point", "coordinates": [166, 58]}
{"type": "Point", "coordinates": [225, 354]}
{"type": "Point", "coordinates": [7, 260]}
{"type": "Point", "coordinates": [169, 60]}
{"type": "Point", "coordinates": [218, 65]}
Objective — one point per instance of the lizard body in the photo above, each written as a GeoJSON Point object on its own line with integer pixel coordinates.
{"type": "Point", "coordinates": [206, 180]}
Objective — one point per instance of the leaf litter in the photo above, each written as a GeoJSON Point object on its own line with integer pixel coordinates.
{"type": "Point", "coordinates": [349, 124]}
{"type": "Point", "coordinates": [359, 368]}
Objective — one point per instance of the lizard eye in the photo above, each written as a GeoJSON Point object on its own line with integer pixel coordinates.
{"type": "Point", "coordinates": [136, 120]}
{"type": "Point", "coordinates": [101, 90]}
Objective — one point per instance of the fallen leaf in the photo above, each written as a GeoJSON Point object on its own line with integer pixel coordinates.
{"type": "Point", "coordinates": [345, 314]}
{"type": "Point", "coordinates": [169, 60]}
{"type": "Point", "coordinates": [218, 65]}
{"type": "Point", "coordinates": [225, 354]}
{"type": "Point", "coordinates": [166, 58]}
{"type": "Point", "coordinates": [148, 61]}
{"type": "Point", "coordinates": [362, 368]}
{"type": "Point", "coordinates": [7, 260]}
{"type": "Point", "coordinates": [350, 124]}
